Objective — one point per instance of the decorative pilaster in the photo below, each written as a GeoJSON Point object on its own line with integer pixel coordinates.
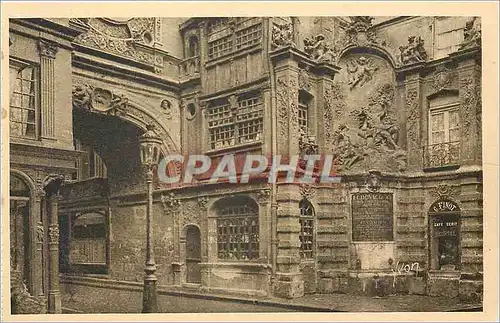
{"type": "Point", "coordinates": [47, 51]}
{"type": "Point", "coordinates": [469, 73]}
{"type": "Point", "coordinates": [51, 185]}
{"type": "Point", "coordinates": [413, 98]}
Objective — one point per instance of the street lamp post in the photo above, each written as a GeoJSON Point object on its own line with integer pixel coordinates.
{"type": "Point", "coordinates": [150, 155]}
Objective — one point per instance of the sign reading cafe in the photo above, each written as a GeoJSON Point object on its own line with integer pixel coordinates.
{"type": "Point", "coordinates": [372, 217]}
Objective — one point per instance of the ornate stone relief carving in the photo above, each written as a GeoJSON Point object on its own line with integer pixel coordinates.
{"type": "Point", "coordinates": [319, 49]}
{"type": "Point", "coordinates": [334, 109]}
{"type": "Point", "coordinates": [412, 116]}
{"type": "Point", "coordinates": [358, 32]}
{"type": "Point", "coordinates": [360, 71]}
{"type": "Point", "coordinates": [282, 35]}
{"type": "Point", "coordinates": [263, 196]}
{"type": "Point", "coordinates": [413, 52]}
{"type": "Point", "coordinates": [308, 145]}
{"type": "Point", "coordinates": [98, 100]}
{"type": "Point", "coordinates": [202, 202]}
{"type": "Point", "coordinates": [472, 34]}
{"type": "Point", "coordinates": [166, 107]}
{"type": "Point", "coordinates": [282, 100]}
{"type": "Point", "coordinates": [304, 80]}
{"type": "Point", "coordinates": [53, 234]}
{"type": "Point", "coordinates": [307, 191]}
{"type": "Point", "coordinates": [170, 202]}
{"type": "Point", "coordinates": [469, 101]}
{"type": "Point", "coordinates": [442, 78]}
{"type": "Point", "coordinates": [374, 140]}
{"type": "Point", "coordinates": [372, 182]}
{"type": "Point", "coordinates": [122, 38]}
{"type": "Point", "coordinates": [39, 233]}
{"type": "Point", "coordinates": [445, 191]}
{"type": "Point", "coordinates": [191, 213]}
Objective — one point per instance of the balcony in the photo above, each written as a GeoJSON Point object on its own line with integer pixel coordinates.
{"type": "Point", "coordinates": [444, 155]}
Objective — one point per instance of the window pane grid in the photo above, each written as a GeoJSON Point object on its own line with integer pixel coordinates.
{"type": "Point", "coordinates": [244, 36]}
{"type": "Point", "coordinates": [238, 233]}
{"type": "Point", "coordinates": [228, 128]}
{"type": "Point", "coordinates": [303, 116]}
{"type": "Point", "coordinates": [23, 104]}
{"type": "Point", "coordinates": [306, 235]}
{"type": "Point", "coordinates": [248, 36]}
{"type": "Point", "coordinates": [220, 47]}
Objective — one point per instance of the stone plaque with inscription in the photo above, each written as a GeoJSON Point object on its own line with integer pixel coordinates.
{"type": "Point", "coordinates": [372, 217]}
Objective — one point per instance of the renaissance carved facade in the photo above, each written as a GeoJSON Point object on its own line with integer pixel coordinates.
{"type": "Point", "coordinates": [400, 114]}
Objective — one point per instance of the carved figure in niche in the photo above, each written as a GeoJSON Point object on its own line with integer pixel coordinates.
{"type": "Point", "coordinates": [472, 34]}
{"type": "Point", "coordinates": [318, 49]}
{"type": "Point", "coordinates": [282, 35]}
{"type": "Point", "coordinates": [346, 152]}
{"type": "Point", "coordinates": [413, 52]}
{"type": "Point", "coordinates": [81, 96]}
{"type": "Point", "coordinates": [360, 71]}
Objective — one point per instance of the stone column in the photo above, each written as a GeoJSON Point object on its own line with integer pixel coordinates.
{"type": "Point", "coordinates": [469, 74]}
{"type": "Point", "coordinates": [52, 184]}
{"type": "Point", "coordinates": [47, 51]}
{"type": "Point", "coordinates": [38, 261]}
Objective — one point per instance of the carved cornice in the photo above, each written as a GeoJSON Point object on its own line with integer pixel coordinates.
{"type": "Point", "coordinates": [131, 39]}
{"type": "Point", "coordinates": [47, 48]}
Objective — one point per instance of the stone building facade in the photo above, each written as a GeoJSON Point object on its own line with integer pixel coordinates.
{"type": "Point", "coordinates": [397, 101]}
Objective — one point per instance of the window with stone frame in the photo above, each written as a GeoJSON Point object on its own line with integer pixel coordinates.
{"type": "Point", "coordinates": [24, 100]}
{"type": "Point", "coordinates": [228, 35]}
{"type": "Point", "coordinates": [449, 34]}
{"type": "Point", "coordinates": [306, 235]}
{"type": "Point", "coordinates": [444, 133]}
{"type": "Point", "coordinates": [237, 229]}
{"type": "Point", "coordinates": [233, 125]}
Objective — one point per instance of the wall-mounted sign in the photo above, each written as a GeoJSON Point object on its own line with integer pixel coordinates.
{"type": "Point", "coordinates": [372, 217]}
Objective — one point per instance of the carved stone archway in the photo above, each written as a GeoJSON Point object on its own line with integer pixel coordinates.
{"type": "Point", "coordinates": [93, 99]}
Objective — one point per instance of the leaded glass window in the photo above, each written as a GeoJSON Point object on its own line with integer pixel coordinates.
{"type": "Point", "coordinates": [306, 235]}
{"type": "Point", "coordinates": [238, 229]}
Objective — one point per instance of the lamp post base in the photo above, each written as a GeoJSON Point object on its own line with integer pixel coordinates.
{"type": "Point", "coordinates": [149, 299]}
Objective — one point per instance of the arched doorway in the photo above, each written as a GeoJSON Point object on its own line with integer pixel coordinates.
{"type": "Point", "coordinates": [20, 227]}
{"type": "Point", "coordinates": [193, 254]}
{"type": "Point", "coordinates": [444, 235]}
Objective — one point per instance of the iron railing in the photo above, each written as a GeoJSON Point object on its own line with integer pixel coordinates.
{"type": "Point", "coordinates": [442, 155]}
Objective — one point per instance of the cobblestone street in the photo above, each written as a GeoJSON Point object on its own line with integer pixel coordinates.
{"type": "Point", "coordinates": [103, 300]}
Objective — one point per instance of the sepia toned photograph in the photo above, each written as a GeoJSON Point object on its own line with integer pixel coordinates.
{"type": "Point", "coordinates": [244, 164]}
